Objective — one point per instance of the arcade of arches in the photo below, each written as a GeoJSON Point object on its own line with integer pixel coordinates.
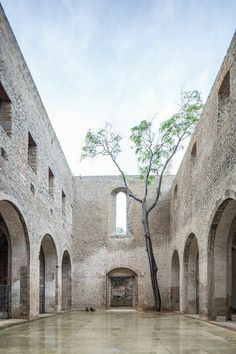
{"type": "Point", "coordinates": [121, 283]}
{"type": "Point", "coordinates": [15, 274]}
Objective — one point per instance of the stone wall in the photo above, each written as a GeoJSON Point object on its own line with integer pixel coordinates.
{"type": "Point", "coordinates": [97, 250]}
{"type": "Point", "coordinates": [206, 177]}
{"type": "Point", "coordinates": [24, 190]}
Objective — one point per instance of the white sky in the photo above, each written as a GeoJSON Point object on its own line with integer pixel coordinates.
{"type": "Point", "coordinates": [118, 60]}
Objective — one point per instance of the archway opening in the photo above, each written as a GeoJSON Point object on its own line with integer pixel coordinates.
{"type": "Point", "coordinates": [47, 276]}
{"type": "Point", "coordinates": [14, 263]}
{"type": "Point", "coordinates": [122, 288]}
{"type": "Point", "coordinates": [175, 282]}
{"type": "Point", "coordinates": [4, 271]}
{"type": "Point", "coordinates": [222, 262]}
{"type": "Point", "coordinates": [66, 282]}
{"type": "Point", "coordinates": [191, 275]}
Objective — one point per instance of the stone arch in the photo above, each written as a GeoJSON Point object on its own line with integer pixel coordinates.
{"type": "Point", "coordinates": [66, 282]}
{"type": "Point", "coordinates": [48, 276]}
{"type": "Point", "coordinates": [222, 260]}
{"type": "Point", "coordinates": [122, 288]}
{"type": "Point", "coordinates": [191, 275]}
{"type": "Point", "coordinates": [175, 288]}
{"type": "Point", "coordinates": [16, 285]}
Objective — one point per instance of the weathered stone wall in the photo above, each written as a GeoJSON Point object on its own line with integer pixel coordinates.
{"type": "Point", "coordinates": [27, 191]}
{"type": "Point", "coordinates": [206, 177]}
{"type": "Point", "coordinates": [97, 251]}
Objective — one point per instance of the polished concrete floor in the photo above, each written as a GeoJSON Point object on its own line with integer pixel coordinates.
{"type": "Point", "coordinates": [117, 332]}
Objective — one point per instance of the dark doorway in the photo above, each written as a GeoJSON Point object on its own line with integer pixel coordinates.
{"type": "Point", "coordinates": [41, 281]}
{"type": "Point", "coordinates": [4, 286]}
{"type": "Point", "coordinates": [122, 289]}
{"type": "Point", "coordinates": [66, 282]}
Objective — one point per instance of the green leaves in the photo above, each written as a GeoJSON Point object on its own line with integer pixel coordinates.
{"type": "Point", "coordinates": [154, 148]}
{"type": "Point", "coordinates": [103, 142]}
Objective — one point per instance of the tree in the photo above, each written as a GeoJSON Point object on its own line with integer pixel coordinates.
{"type": "Point", "coordinates": [154, 151]}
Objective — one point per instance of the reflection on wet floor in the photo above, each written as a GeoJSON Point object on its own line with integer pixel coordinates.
{"type": "Point", "coordinates": [117, 332]}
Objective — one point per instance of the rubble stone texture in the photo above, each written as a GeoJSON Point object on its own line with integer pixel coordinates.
{"type": "Point", "coordinates": [58, 232]}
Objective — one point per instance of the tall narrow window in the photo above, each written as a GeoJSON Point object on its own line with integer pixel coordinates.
{"type": "Point", "coordinates": [175, 199]}
{"type": "Point", "coordinates": [194, 151]}
{"type": "Point", "coordinates": [224, 91]}
{"type": "Point", "coordinates": [121, 214]}
{"type": "Point", "coordinates": [63, 202]}
{"type": "Point", "coordinates": [5, 111]}
{"type": "Point", "coordinates": [32, 153]}
{"type": "Point", "coordinates": [223, 101]}
{"type": "Point", "coordinates": [50, 182]}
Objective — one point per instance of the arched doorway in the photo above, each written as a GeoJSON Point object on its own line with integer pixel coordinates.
{"type": "Point", "coordinates": [122, 288]}
{"type": "Point", "coordinates": [66, 282]}
{"type": "Point", "coordinates": [47, 276]}
{"type": "Point", "coordinates": [4, 270]}
{"type": "Point", "coordinates": [175, 282]}
{"type": "Point", "coordinates": [14, 263]}
{"type": "Point", "coordinates": [191, 275]}
{"type": "Point", "coordinates": [222, 262]}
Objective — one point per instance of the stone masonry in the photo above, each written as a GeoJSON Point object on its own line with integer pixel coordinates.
{"type": "Point", "coordinates": [58, 241]}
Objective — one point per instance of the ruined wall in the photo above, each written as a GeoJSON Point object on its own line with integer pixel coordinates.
{"type": "Point", "coordinates": [206, 177]}
{"type": "Point", "coordinates": [97, 250]}
{"type": "Point", "coordinates": [25, 188]}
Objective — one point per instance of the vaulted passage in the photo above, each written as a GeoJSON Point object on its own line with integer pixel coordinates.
{"type": "Point", "coordinates": [222, 262]}
{"type": "Point", "coordinates": [14, 263]}
{"type": "Point", "coordinates": [191, 275]}
{"type": "Point", "coordinates": [122, 288]}
{"type": "Point", "coordinates": [175, 282]}
{"type": "Point", "coordinates": [4, 279]}
{"type": "Point", "coordinates": [48, 276]}
{"type": "Point", "coordinates": [66, 282]}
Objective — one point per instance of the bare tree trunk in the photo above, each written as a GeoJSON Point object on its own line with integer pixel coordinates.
{"type": "Point", "coordinates": [152, 262]}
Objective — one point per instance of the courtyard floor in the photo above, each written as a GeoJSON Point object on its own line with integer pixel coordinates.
{"type": "Point", "coordinates": [120, 332]}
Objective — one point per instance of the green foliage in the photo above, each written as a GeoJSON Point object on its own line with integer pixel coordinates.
{"type": "Point", "coordinates": [104, 142]}
{"type": "Point", "coordinates": [154, 149]}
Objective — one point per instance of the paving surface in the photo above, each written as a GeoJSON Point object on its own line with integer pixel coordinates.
{"type": "Point", "coordinates": [117, 332]}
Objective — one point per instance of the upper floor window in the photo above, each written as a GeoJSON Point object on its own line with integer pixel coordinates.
{"type": "Point", "coordinates": [194, 152]}
{"type": "Point", "coordinates": [175, 199]}
{"type": "Point", "coordinates": [223, 101]}
{"type": "Point", "coordinates": [224, 91]}
{"type": "Point", "coordinates": [5, 111]}
{"type": "Point", "coordinates": [32, 153]}
{"type": "Point", "coordinates": [121, 214]}
{"type": "Point", "coordinates": [51, 182]}
{"type": "Point", "coordinates": [63, 202]}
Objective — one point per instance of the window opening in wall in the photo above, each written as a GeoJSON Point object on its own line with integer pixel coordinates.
{"type": "Point", "coordinates": [3, 153]}
{"type": "Point", "coordinates": [175, 199]}
{"type": "Point", "coordinates": [223, 100]}
{"type": "Point", "coordinates": [121, 214]}
{"type": "Point", "coordinates": [224, 91]}
{"type": "Point", "coordinates": [5, 111]}
{"type": "Point", "coordinates": [32, 188]}
{"type": "Point", "coordinates": [32, 153]}
{"type": "Point", "coordinates": [50, 182]}
{"type": "Point", "coordinates": [63, 201]}
{"type": "Point", "coordinates": [194, 151]}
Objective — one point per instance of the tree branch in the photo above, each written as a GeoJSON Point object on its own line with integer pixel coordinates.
{"type": "Point", "coordinates": [162, 173]}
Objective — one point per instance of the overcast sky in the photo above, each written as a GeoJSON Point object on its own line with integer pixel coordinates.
{"type": "Point", "coordinates": [118, 60]}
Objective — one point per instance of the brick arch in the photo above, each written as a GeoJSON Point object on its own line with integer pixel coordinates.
{"type": "Point", "coordinates": [175, 281]}
{"type": "Point", "coordinates": [18, 273]}
{"type": "Point", "coordinates": [220, 238]}
{"type": "Point", "coordinates": [121, 288]}
{"type": "Point", "coordinates": [191, 275]}
{"type": "Point", "coordinates": [48, 275]}
{"type": "Point", "coordinates": [66, 284]}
